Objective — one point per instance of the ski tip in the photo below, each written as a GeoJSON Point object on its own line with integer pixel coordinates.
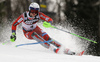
{"type": "Point", "coordinates": [81, 53]}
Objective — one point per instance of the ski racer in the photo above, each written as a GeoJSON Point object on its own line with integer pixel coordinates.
{"type": "Point", "coordinates": [33, 31]}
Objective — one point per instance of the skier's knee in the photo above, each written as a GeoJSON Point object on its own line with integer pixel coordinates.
{"type": "Point", "coordinates": [33, 34]}
{"type": "Point", "coordinates": [46, 36]}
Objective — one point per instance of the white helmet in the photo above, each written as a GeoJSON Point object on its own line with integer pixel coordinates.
{"type": "Point", "coordinates": [34, 6]}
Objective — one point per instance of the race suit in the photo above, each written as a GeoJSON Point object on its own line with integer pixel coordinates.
{"type": "Point", "coordinates": [29, 26]}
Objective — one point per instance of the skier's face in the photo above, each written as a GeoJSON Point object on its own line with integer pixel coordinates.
{"type": "Point", "coordinates": [33, 13]}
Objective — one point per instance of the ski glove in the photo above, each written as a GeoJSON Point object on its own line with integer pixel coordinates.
{"type": "Point", "coordinates": [13, 37]}
{"type": "Point", "coordinates": [46, 24]}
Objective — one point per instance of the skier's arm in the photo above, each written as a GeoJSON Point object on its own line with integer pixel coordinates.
{"type": "Point", "coordinates": [14, 25]}
{"type": "Point", "coordinates": [16, 22]}
{"type": "Point", "coordinates": [45, 17]}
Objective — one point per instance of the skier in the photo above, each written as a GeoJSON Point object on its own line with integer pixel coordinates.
{"type": "Point", "coordinates": [33, 31]}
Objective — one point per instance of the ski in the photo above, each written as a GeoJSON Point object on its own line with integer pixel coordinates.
{"type": "Point", "coordinates": [5, 42]}
{"type": "Point", "coordinates": [80, 54]}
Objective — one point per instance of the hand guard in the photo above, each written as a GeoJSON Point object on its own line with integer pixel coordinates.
{"type": "Point", "coordinates": [13, 37]}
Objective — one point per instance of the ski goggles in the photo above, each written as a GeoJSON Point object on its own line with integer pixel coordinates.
{"type": "Point", "coordinates": [34, 8]}
{"type": "Point", "coordinates": [34, 11]}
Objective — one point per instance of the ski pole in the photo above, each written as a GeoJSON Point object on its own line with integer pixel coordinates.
{"type": "Point", "coordinates": [33, 43]}
{"type": "Point", "coordinates": [48, 25]}
{"type": "Point", "coordinates": [5, 42]}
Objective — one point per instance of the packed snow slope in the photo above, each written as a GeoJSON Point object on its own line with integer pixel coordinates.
{"type": "Point", "coordinates": [37, 53]}
{"type": "Point", "coordinates": [13, 54]}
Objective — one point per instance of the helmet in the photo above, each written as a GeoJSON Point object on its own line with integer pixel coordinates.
{"type": "Point", "coordinates": [34, 6]}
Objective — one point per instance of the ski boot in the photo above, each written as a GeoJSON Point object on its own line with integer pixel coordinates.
{"type": "Point", "coordinates": [69, 52]}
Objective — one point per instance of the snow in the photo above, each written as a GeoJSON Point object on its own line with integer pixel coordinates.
{"type": "Point", "coordinates": [14, 54]}
{"type": "Point", "coordinates": [37, 53]}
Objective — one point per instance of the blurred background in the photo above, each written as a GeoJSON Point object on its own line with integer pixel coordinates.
{"type": "Point", "coordinates": [82, 15]}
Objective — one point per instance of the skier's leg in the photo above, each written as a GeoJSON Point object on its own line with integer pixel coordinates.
{"type": "Point", "coordinates": [55, 43]}
{"type": "Point", "coordinates": [31, 35]}
{"type": "Point", "coordinates": [38, 38]}
{"type": "Point", "coordinates": [47, 45]}
{"type": "Point", "coordinates": [61, 48]}
{"type": "Point", "coordinates": [45, 36]}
